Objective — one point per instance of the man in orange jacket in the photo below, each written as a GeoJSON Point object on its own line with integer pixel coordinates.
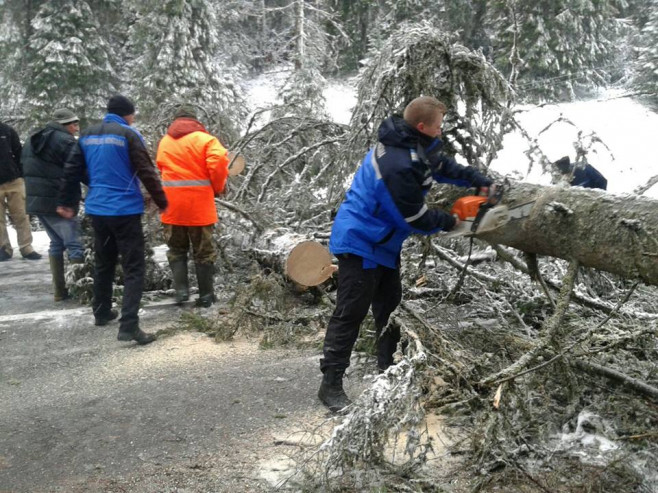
{"type": "Point", "coordinates": [194, 167]}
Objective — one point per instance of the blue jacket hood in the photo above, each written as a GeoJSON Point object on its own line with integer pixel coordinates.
{"type": "Point", "coordinates": [396, 132]}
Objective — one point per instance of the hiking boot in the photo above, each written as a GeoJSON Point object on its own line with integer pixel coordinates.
{"type": "Point", "coordinates": [179, 273]}
{"type": "Point", "coordinates": [331, 392]}
{"type": "Point", "coordinates": [4, 255]}
{"type": "Point", "coordinates": [138, 336]}
{"type": "Point", "coordinates": [205, 274]}
{"type": "Point", "coordinates": [57, 272]}
{"type": "Point", "coordinates": [106, 318]}
{"type": "Point", "coordinates": [32, 256]}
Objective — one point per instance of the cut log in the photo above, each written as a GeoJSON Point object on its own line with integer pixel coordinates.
{"type": "Point", "coordinates": [309, 264]}
{"type": "Point", "coordinates": [613, 233]}
{"type": "Point", "coordinates": [236, 164]}
{"type": "Point", "coordinates": [304, 261]}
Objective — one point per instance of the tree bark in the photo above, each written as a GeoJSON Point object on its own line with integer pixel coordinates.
{"type": "Point", "coordinates": [617, 234]}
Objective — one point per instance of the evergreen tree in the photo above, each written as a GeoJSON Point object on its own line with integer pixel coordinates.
{"type": "Point", "coordinates": [417, 60]}
{"type": "Point", "coordinates": [356, 19]}
{"type": "Point", "coordinates": [69, 65]}
{"type": "Point", "coordinates": [311, 52]}
{"type": "Point", "coordinates": [370, 23]}
{"type": "Point", "coordinates": [647, 62]}
{"type": "Point", "coordinates": [10, 56]}
{"type": "Point", "coordinates": [176, 59]}
{"type": "Point", "coordinates": [560, 46]}
{"type": "Point", "coordinates": [15, 29]}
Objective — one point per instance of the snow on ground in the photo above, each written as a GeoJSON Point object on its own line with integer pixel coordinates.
{"type": "Point", "coordinates": [40, 241]}
{"type": "Point", "coordinates": [626, 127]}
{"type": "Point", "coordinates": [626, 158]}
{"type": "Point", "coordinates": [340, 97]}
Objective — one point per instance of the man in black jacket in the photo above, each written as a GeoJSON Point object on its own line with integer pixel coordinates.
{"type": "Point", "coordinates": [44, 155]}
{"type": "Point", "coordinates": [12, 196]}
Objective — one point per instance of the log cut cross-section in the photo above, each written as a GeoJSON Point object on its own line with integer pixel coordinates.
{"type": "Point", "coordinates": [613, 233]}
{"type": "Point", "coordinates": [304, 261]}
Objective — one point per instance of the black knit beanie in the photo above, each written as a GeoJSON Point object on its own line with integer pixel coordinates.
{"type": "Point", "coordinates": [120, 105]}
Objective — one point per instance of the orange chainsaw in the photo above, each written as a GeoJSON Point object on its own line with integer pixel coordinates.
{"type": "Point", "coordinates": [479, 214]}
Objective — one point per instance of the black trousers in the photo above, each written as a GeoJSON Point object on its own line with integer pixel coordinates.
{"type": "Point", "coordinates": [358, 290]}
{"type": "Point", "coordinates": [116, 235]}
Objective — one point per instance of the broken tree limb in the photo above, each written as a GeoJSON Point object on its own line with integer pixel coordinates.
{"type": "Point", "coordinates": [229, 205]}
{"type": "Point", "coordinates": [617, 234]}
{"type": "Point", "coordinates": [595, 304]}
{"type": "Point", "coordinates": [625, 380]}
{"type": "Point", "coordinates": [580, 340]}
{"type": "Point", "coordinates": [549, 330]}
{"type": "Point", "coordinates": [641, 189]}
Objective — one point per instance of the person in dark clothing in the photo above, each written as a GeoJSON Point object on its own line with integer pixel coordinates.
{"type": "Point", "coordinates": [384, 205]}
{"type": "Point", "coordinates": [44, 156]}
{"type": "Point", "coordinates": [12, 197]}
{"type": "Point", "coordinates": [114, 156]}
{"type": "Point", "coordinates": [586, 176]}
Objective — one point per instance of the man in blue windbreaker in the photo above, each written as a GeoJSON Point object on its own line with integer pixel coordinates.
{"type": "Point", "coordinates": [384, 205]}
{"type": "Point", "coordinates": [115, 158]}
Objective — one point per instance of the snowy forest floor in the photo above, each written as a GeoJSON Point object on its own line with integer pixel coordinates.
{"type": "Point", "coordinates": [81, 411]}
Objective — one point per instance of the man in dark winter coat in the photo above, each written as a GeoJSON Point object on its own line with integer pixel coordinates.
{"type": "Point", "coordinates": [12, 196]}
{"type": "Point", "coordinates": [586, 176]}
{"type": "Point", "coordinates": [115, 156]}
{"type": "Point", "coordinates": [44, 156]}
{"type": "Point", "coordinates": [384, 205]}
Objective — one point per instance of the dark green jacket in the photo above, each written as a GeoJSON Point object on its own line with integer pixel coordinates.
{"type": "Point", "coordinates": [44, 155]}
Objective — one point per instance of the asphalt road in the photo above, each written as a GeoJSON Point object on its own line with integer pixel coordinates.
{"type": "Point", "coordinates": [80, 411]}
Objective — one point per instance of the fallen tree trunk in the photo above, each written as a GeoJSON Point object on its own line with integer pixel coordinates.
{"type": "Point", "coordinates": [617, 234]}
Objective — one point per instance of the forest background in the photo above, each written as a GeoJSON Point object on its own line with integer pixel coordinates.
{"type": "Point", "coordinates": [484, 59]}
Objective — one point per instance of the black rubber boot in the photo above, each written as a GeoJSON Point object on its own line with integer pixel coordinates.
{"type": "Point", "coordinates": [57, 272]}
{"type": "Point", "coordinates": [179, 272]}
{"type": "Point", "coordinates": [205, 275]}
{"type": "Point", "coordinates": [331, 391]}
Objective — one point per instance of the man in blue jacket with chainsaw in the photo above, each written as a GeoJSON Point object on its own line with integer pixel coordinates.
{"type": "Point", "coordinates": [384, 205]}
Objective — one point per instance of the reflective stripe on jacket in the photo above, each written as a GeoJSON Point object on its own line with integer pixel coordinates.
{"type": "Point", "coordinates": [386, 201]}
{"type": "Point", "coordinates": [194, 167]}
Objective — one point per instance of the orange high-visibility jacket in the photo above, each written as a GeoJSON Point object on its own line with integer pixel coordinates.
{"type": "Point", "coordinates": [194, 167]}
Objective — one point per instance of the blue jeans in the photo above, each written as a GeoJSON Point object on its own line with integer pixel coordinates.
{"type": "Point", "coordinates": [64, 234]}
